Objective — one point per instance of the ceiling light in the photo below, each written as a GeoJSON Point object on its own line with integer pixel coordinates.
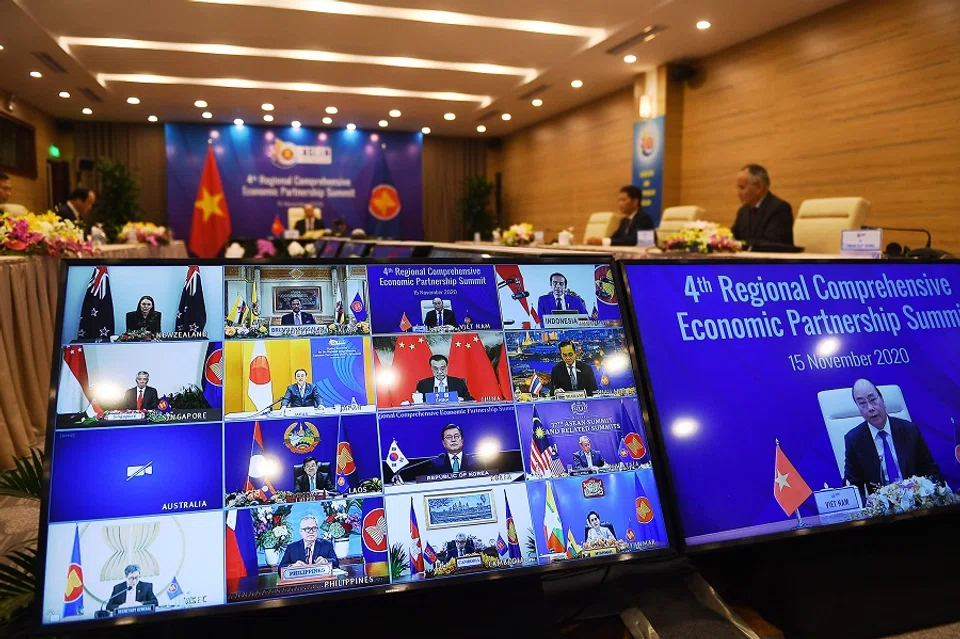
{"type": "Point", "coordinates": [295, 124]}
{"type": "Point", "coordinates": [206, 115]}
{"type": "Point", "coordinates": [383, 123]}
{"type": "Point", "coordinates": [152, 118]}
{"type": "Point", "coordinates": [132, 100]}
{"type": "Point", "coordinates": [630, 58]}
{"type": "Point", "coordinates": [238, 122]}
{"type": "Point", "coordinates": [505, 116]}
{"type": "Point", "coordinates": [449, 116]}
{"type": "Point", "coordinates": [351, 127]}
{"type": "Point", "coordinates": [425, 130]}
{"type": "Point", "coordinates": [64, 94]}
{"type": "Point", "coordinates": [703, 25]}
{"type": "Point", "coordinates": [395, 113]}
{"type": "Point", "coordinates": [594, 35]}
{"type": "Point", "coordinates": [650, 37]}
{"type": "Point", "coordinates": [481, 128]}
{"type": "Point", "coordinates": [87, 111]}
{"type": "Point", "coordinates": [200, 104]}
{"type": "Point", "coordinates": [576, 84]}
{"type": "Point", "coordinates": [36, 74]}
{"type": "Point", "coordinates": [266, 106]}
{"type": "Point", "coordinates": [1, 47]}
{"type": "Point", "coordinates": [328, 120]}
{"type": "Point", "coordinates": [306, 87]}
{"type": "Point", "coordinates": [537, 102]}
{"type": "Point", "coordinates": [267, 117]}
{"type": "Point", "coordinates": [332, 110]}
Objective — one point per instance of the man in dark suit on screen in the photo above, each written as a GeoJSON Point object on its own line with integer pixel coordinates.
{"type": "Point", "coordinates": [310, 221]}
{"type": "Point", "coordinates": [452, 459]}
{"type": "Point", "coordinates": [302, 394]}
{"type": "Point", "coordinates": [763, 217]}
{"type": "Point", "coordinates": [441, 382]}
{"type": "Point", "coordinates": [571, 375]}
{"type": "Point", "coordinates": [440, 316]}
{"type": "Point", "coordinates": [297, 317]}
{"type": "Point", "coordinates": [460, 547]}
{"type": "Point", "coordinates": [558, 299]}
{"type": "Point", "coordinates": [131, 592]}
{"type": "Point", "coordinates": [313, 478]}
{"type": "Point", "coordinates": [309, 551]}
{"type": "Point", "coordinates": [883, 449]}
{"type": "Point", "coordinates": [587, 457]}
{"type": "Point", "coordinates": [141, 396]}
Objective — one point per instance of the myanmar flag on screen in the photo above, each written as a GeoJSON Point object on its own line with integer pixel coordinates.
{"type": "Point", "coordinates": [383, 205]}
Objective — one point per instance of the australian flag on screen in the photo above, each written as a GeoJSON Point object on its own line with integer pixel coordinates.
{"type": "Point", "coordinates": [192, 312]}
{"type": "Point", "coordinates": [383, 205]}
{"type": "Point", "coordinates": [96, 313]}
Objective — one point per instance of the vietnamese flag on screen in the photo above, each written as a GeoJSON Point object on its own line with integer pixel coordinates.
{"type": "Point", "coordinates": [788, 486]}
{"type": "Point", "coordinates": [469, 361]}
{"type": "Point", "coordinates": [210, 229]}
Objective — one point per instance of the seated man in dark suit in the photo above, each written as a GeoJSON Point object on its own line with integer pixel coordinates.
{"type": "Point", "coordinates": [763, 217]}
{"type": "Point", "coordinates": [313, 478]}
{"type": "Point", "coordinates": [587, 457]}
{"type": "Point", "coordinates": [309, 551]}
{"type": "Point", "coordinates": [440, 316]}
{"type": "Point", "coordinates": [441, 383]}
{"type": "Point", "coordinates": [77, 207]}
{"type": "Point", "coordinates": [453, 459]}
{"type": "Point", "coordinates": [633, 220]}
{"type": "Point", "coordinates": [302, 394]}
{"type": "Point", "coordinates": [131, 592]}
{"type": "Point", "coordinates": [310, 221]}
{"type": "Point", "coordinates": [883, 449]}
{"type": "Point", "coordinates": [558, 299]}
{"type": "Point", "coordinates": [141, 396]}
{"type": "Point", "coordinates": [460, 546]}
{"type": "Point", "coordinates": [297, 317]}
{"type": "Point", "coordinates": [571, 375]}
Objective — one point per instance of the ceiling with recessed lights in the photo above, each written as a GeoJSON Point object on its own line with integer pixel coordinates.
{"type": "Point", "coordinates": [496, 66]}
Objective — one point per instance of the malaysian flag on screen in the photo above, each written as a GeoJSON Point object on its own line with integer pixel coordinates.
{"type": "Point", "coordinates": [543, 454]}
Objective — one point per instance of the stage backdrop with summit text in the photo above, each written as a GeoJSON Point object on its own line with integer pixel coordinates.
{"type": "Point", "coordinates": [371, 180]}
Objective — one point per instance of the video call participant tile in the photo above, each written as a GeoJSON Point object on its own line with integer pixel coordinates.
{"type": "Point", "coordinates": [131, 567]}
{"type": "Point", "coordinates": [557, 296]}
{"type": "Point", "coordinates": [433, 298]}
{"type": "Point", "coordinates": [301, 459]}
{"type": "Point", "coordinates": [460, 447]}
{"type": "Point", "coordinates": [441, 369]}
{"type": "Point", "coordinates": [126, 384]}
{"type": "Point", "coordinates": [459, 532]}
{"type": "Point", "coordinates": [296, 549]}
{"type": "Point", "coordinates": [105, 304]}
{"type": "Point", "coordinates": [583, 517]}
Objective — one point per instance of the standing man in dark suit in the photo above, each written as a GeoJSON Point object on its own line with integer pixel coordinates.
{"type": "Point", "coordinates": [313, 478]}
{"type": "Point", "coordinates": [441, 382]}
{"type": "Point", "coordinates": [297, 317]}
{"type": "Point", "coordinates": [571, 375]}
{"type": "Point", "coordinates": [131, 592]}
{"type": "Point", "coordinates": [77, 207]}
{"type": "Point", "coordinates": [440, 316]}
{"type": "Point", "coordinates": [309, 551]}
{"type": "Point", "coordinates": [633, 220]}
{"type": "Point", "coordinates": [453, 459]}
{"type": "Point", "coordinates": [763, 217]}
{"type": "Point", "coordinates": [141, 396]}
{"type": "Point", "coordinates": [302, 394]}
{"type": "Point", "coordinates": [883, 449]}
{"type": "Point", "coordinates": [310, 221]}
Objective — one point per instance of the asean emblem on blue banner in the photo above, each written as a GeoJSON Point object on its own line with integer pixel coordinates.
{"type": "Point", "coordinates": [213, 368]}
{"type": "Point", "coordinates": [606, 291]}
{"type": "Point", "coordinates": [384, 202]}
{"type": "Point", "coordinates": [634, 445]}
{"type": "Point", "coordinates": [375, 530]}
{"type": "Point", "coordinates": [301, 437]}
{"type": "Point", "coordinates": [644, 510]}
{"type": "Point", "coordinates": [282, 154]}
{"type": "Point", "coordinates": [648, 140]}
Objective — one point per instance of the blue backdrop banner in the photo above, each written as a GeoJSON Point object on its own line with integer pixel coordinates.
{"type": "Point", "coordinates": [648, 141]}
{"type": "Point", "coordinates": [371, 180]}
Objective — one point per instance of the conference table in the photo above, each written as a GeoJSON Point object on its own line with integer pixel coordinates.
{"type": "Point", "coordinates": [629, 252]}
{"type": "Point", "coordinates": [28, 306]}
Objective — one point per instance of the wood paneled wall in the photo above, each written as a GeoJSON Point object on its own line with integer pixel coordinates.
{"type": "Point", "coordinates": [29, 192]}
{"type": "Point", "coordinates": [861, 100]}
{"type": "Point", "coordinates": [557, 172]}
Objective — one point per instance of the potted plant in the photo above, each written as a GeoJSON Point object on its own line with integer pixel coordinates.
{"type": "Point", "coordinates": [18, 566]}
{"type": "Point", "coordinates": [118, 200]}
{"type": "Point", "coordinates": [474, 206]}
{"type": "Point", "coordinates": [272, 532]}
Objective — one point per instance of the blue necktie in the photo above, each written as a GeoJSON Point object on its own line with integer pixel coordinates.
{"type": "Point", "coordinates": [456, 464]}
{"type": "Point", "coordinates": [893, 474]}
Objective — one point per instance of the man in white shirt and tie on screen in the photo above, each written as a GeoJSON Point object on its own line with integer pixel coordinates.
{"type": "Point", "coordinates": [441, 382]}
{"type": "Point", "coordinates": [297, 317]}
{"type": "Point", "coordinates": [141, 396]}
{"type": "Point", "coordinates": [587, 457]}
{"type": "Point", "coordinates": [302, 394]}
{"type": "Point", "coordinates": [570, 375]}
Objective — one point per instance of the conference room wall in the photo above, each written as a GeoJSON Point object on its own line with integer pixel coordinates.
{"type": "Point", "coordinates": [860, 100]}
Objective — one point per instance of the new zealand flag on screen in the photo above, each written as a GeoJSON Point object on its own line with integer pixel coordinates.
{"type": "Point", "coordinates": [192, 312]}
{"type": "Point", "coordinates": [96, 313]}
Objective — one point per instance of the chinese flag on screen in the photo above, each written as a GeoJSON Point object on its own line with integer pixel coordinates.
{"type": "Point", "coordinates": [788, 486]}
{"type": "Point", "coordinates": [211, 219]}
{"type": "Point", "coordinates": [411, 363]}
{"type": "Point", "coordinates": [468, 360]}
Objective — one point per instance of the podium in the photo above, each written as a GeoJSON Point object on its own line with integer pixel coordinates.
{"type": "Point", "coordinates": [308, 574]}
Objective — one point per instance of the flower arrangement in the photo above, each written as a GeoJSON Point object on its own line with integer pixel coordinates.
{"type": "Point", "coordinates": [238, 331]}
{"type": "Point", "coordinates": [913, 493]}
{"type": "Point", "coordinates": [703, 237]}
{"type": "Point", "coordinates": [43, 234]}
{"type": "Point", "coordinates": [242, 499]}
{"type": "Point", "coordinates": [145, 233]}
{"type": "Point", "coordinates": [270, 527]}
{"type": "Point", "coordinates": [265, 248]}
{"type": "Point", "coordinates": [342, 519]}
{"type": "Point", "coordinates": [352, 327]}
{"type": "Point", "coordinates": [517, 235]}
{"type": "Point", "coordinates": [142, 335]}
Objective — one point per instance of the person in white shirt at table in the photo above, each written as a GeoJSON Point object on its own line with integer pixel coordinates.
{"type": "Point", "coordinates": [297, 316]}
{"type": "Point", "coordinates": [302, 394]}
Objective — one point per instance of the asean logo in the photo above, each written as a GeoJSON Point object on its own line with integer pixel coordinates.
{"type": "Point", "coordinates": [283, 154]}
{"type": "Point", "coordinates": [511, 532]}
{"type": "Point", "coordinates": [375, 531]}
{"type": "Point", "coordinates": [630, 534]}
{"type": "Point", "coordinates": [301, 437]}
{"type": "Point", "coordinates": [213, 368]}
{"type": "Point", "coordinates": [592, 488]}
{"type": "Point", "coordinates": [356, 306]}
{"type": "Point", "coordinates": [644, 510]}
{"type": "Point", "coordinates": [606, 291]}
{"type": "Point", "coordinates": [634, 444]}
{"type": "Point", "coordinates": [384, 202]}
{"type": "Point", "coordinates": [74, 588]}
{"type": "Point", "coordinates": [956, 453]}
{"type": "Point", "coordinates": [648, 141]}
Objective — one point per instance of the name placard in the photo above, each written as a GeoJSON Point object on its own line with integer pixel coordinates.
{"type": "Point", "coordinates": [304, 329]}
{"type": "Point", "coordinates": [122, 415]}
{"type": "Point", "coordinates": [450, 397]}
{"type": "Point", "coordinates": [861, 243]}
{"type": "Point", "coordinates": [577, 394]}
{"type": "Point", "coordinates": [647, 238]}
{"type": "Point", "coordinates": [306, 573]}
{"type": "Point", "coordinates": [471, 561]}
{"type": "Point", "coordinates": [836, 505]}
{"type": "Point", "coordinates": [565, 320]}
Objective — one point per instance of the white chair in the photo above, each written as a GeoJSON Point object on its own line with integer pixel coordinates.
{"type": "Point", "coordinates": [426, 306]}
{"type": "Point", "coordinates": [601, 224]}
{"type": "Point", "coordinates": [840, 414]}
{"type": "Point", "coordinates": [14, 210]}
{"type": "Point", "coordinates": [819, 222]}
{"type": "Point", "coordinates": [294, 215]}
{"type": "Point", "coordinates": [675, 217]}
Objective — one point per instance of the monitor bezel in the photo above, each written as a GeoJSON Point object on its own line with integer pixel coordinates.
{"type": "Point", "coordinates": [538, 570]}
{"type": "Point", "coordinates": [676, 517]}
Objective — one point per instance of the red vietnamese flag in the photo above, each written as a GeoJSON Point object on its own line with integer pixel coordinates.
{"type": "Point", "coordinates": [405, 324]}
{"type": "Point", "coordinates": [277, 227]}
{"type": "Point", "coordinates": [469, 361]}
{"type": "Point", "coordinates": [788, 486]}
{"type": "Point", "coordinates": [503, 375]}
{"type": "Point", "coordinates": [211, 218]}
{"type": "Point", "coordinates": [411, 363]}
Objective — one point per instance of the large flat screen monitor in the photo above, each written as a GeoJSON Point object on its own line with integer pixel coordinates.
{"type": "Point", "coordinates": [224, 435]}
{"type": "Point", "coordinates": [354, 249]}
{"type": "Point", "coordinates": [331, 248]}
{"type": "Point", "coordinates": [392, 250]}
{"type": "Point", "coordinates": [798, 395]}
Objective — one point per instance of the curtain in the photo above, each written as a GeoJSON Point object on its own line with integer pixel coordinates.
{"type": "Point", "coordinates": [446, 163]}
{"type": "Point", "coordinates": [141, 147]}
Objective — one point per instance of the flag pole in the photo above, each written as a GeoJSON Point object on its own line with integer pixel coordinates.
{"type": "Point", "coordinates": [800, 522]}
